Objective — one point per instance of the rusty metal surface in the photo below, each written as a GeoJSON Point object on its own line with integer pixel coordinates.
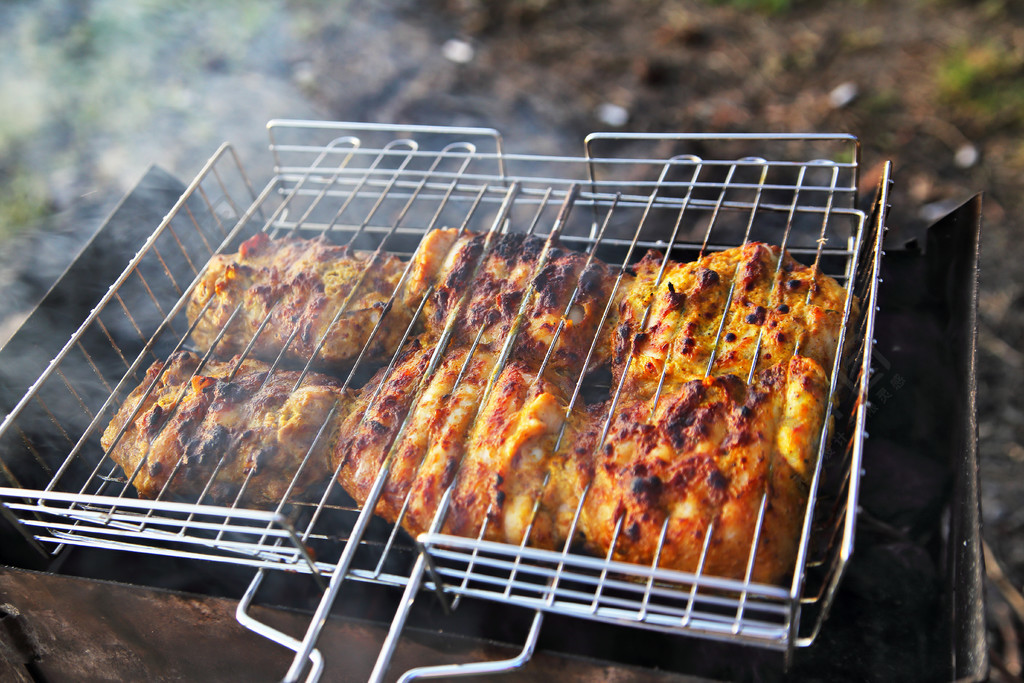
{"type": "Point", "coordinates": [58, 628]}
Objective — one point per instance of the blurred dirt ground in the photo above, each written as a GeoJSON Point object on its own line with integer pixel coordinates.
{"type": "Point", "coordinates": [91, 93]}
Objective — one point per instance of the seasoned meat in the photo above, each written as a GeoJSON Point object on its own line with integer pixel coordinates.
{"type": "Point", "coordinates": [519, 474]}
{"type": "Point", "coordinates": [692, 453]}
{"type": "Point", "coordinates": [722, 362]}
{"type": "Point", "coordinates": [224, 427]}
{"type": "Point", "coordinates": [484, 280]}
{"type": "Point", "coordinates": [438, 429]}
{"type": "Point", "coordinates": [288, 292]}
{"type": "Point", "coordinates": [417, 421]}
{"type": "Point", "coordinates": [701, 465]}
{"type": "Point", "coordinates": [772, 311]}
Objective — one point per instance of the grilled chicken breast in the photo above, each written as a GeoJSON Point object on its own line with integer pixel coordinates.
{"type": "Point", "coordinates": [701, 465]}
{"type": "Point", "coordinates": [723, 367]}
{"type": "Point", "coordinates": [492, 439]}
{"type": "Point", "coordinates": [549, 299]}
{"type": "Point", "coordinates": [226, 430]}
{"type": "Point", "coordinates": [309, 298]}
{"type": "Point", "coordinates": [414, 419]}
{"type": "Point", "coordinates": [519, 482]}
{"type": "Point", "coordinates": [737, 312]}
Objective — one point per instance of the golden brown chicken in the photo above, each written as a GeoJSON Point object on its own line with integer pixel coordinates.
{"type": "Point", "coordinates": [434, 427]}
{"type": "Point", "coordinates": [304, 295]}
{"type": "Point", "coordinates": [416, 420]}
{"type": "Point", "coordinates": [723, 365]}
{"type": "Point", "coordinates": [231, 429]}
{"type": "Point", "coordinates": [772, 311]}
{"type": "Point", "coordinates": [519, 476]}
{"type": "Point", "coordinates": [483, 282]}
{"type": "Point", "coordinates": [701, 465]}
{"type": "Point", "coordinates": [297, 294]}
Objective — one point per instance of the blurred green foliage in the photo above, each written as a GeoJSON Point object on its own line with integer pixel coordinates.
{"type": "Point", "coordinates": [766, 6]}
{"type": "Point", "coordinates": [24, 200]}
{"type": "Point", "coordinates": [77, 75]}
{"type": "Point", "coordinates": [983, 83]}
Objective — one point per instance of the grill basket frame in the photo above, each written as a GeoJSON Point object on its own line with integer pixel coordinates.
{"type": "Point", "coordinates": [379, 173]}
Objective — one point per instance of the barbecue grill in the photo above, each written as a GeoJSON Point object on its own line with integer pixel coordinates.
{"type": "Point", "coordinates": [380, 187]}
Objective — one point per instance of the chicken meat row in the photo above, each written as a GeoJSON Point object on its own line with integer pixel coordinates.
{"type": "Point", "coordinates": [657, 412]}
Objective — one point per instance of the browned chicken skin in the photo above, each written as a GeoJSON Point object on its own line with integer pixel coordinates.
{"type": "Point", "coordinates": [701, 464]}
{"type": "Point", "coordinates": [288, 293]}
{"type": "Point", "coordinates": [417, 422]}
{"type": "Point", "coordinates": [443, 428]}
{"type": "Point", "coordinates": [518, 473]}
{"type": "Point", "coordinates": [226, 425]}
{"type": "Point", "coordinates": [485, 279]}
{"type": "Point", "coordinates": [772, 311]}
{"type": "Point", "coordinates": [691, 447]}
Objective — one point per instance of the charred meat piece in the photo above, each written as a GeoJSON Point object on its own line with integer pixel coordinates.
{"type": "Point", "coordinates": [444, 428]}
{"type": "Point", "coordinates": [316, 300]}
{"type": "Point", "coordinates": [771, 311]}
{"type": "Point", "coordinates": [701, 466]}
{"type": "Point", "coordinates": [416, 420]}
{"type": "Point", "coordinates": [519, 480]}
{"type": "Point", "coordinates": [482, 284]}
{"type": "Point", "coordinates": [297, 294]}
{"type": "Point", "coordinates": [233, 429]}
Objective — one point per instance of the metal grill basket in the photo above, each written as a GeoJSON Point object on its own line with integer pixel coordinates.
{"type": "Point", "coordinates": [383, 187]}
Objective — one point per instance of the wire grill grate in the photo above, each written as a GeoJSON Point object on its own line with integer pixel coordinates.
{"type": "Point", "coordinates": [382, 188]}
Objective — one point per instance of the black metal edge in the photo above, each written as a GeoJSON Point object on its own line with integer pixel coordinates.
{"type": "Point", "coordinates": [63, 308]}
{"type": "Point", "coordinates": [952, 251]}
{"type": "Point", "coordinates": [80, 287]}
